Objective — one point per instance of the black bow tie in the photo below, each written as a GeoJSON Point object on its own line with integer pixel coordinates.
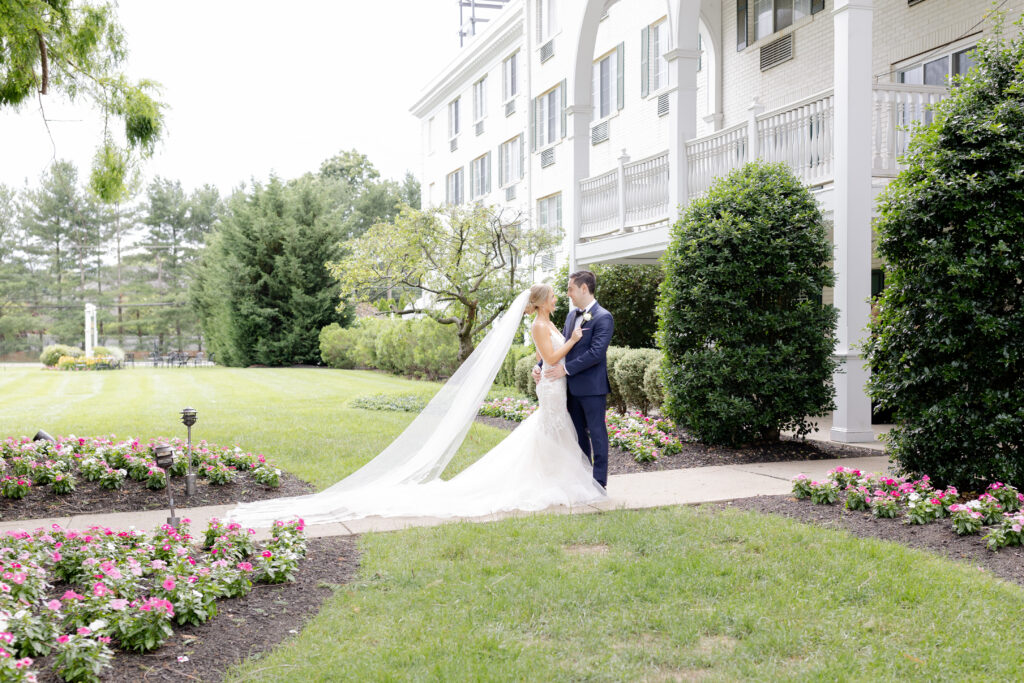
{"type": "Point", "coordinates": [579, 311]}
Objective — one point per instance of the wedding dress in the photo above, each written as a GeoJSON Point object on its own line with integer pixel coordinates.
{"type": "Point", "coordinates": [538, 465]}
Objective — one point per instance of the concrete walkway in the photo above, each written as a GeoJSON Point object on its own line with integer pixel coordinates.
{"type": "Point", "coordinates": [627, 491]}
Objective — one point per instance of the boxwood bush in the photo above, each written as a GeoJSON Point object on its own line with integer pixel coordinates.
{"type": "Point", "coordinates": [420, 347]}
{"type": "Point", "coordinates": [748, 343]}
{"type": "Point", "coordinates": [630, 369]}
{"type": "Point", "coordinates": [947, 345]}
{"type": "Point", "coordinates": [524, 376]}
{"type": "Point", "coordinates": [507, 373]}
{"type": "Point", "coordinates": [652, 384]}
{"type": "Point", "coordinates": [52, 353]}
{"type": "Point", "coordinates": [629, 292]}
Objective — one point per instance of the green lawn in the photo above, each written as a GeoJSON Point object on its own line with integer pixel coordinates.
{"type": "Point", "coordinates": [660, 595]}
{"type": "Point", "coordinates": [297, 417]}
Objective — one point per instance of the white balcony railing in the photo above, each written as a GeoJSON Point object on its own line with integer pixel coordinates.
{"type": "Point", "coordinates": [897, 109]}
{"type": "Point", "coordinates": [647, 190]}
{"type": "Point", "coordinates": [713, 156]}
{"type": "Point", "coordinates": [800, 135]}
{"type": "Point", "coordinates": [636, 194]}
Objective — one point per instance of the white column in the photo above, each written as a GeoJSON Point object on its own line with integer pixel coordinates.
{"type": "Point", "coordinates": [753, 141]}
{"type": "Point", "coordinates": [620, 182]}
{"type": "Point", "coordinates": [682, 114]}
{"type": "Point", "coordinates": [853, 204]}
{"type": "Point", "coordinates": [90, 329]}
{"type": "Point", "coordinates": [578, 118]}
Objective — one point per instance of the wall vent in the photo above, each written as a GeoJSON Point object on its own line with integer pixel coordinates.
{"type": "Point", "coordinates": [479, 127]}
{"type": "Point", "coordinates": [453, 144]}
{"type": "Point", "coordinates": [510, 193]}
{"type": "Point", "coordinates": [547, 157]}
{"type": "Point", "coordinates": [777, 52]}
{"type": "Point", "coordinates": [599, 132]}
{"type": "Point", "coordinates": [510, 108]}
{"type": "Point", "coordinates": [547, 50]}
{"type": "Point", "coordinates": [663, 104]}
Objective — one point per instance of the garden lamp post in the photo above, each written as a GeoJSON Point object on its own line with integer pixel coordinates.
{"type": "Point", "coordinates": [188, 418]}
{"type": "Point", "coordinates": [164, 457]}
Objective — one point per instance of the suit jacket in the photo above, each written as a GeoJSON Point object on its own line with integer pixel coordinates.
{"type": "Point", "coordinates": [586, 363]}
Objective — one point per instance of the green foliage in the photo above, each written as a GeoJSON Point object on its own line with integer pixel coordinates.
{"type": "Point", "coordinates": [419, 347]}
{"type": "Point", "coordinates": [507, 373]}
{"type": "Point", "coordinates": [748, 345]}
{"type": "Point", "coordinates": [629, 292]}
{"type": "Point", "coordinates": [524, 376]}
{"type": "Point", "coordinates": [402, 403]}
{"type": "Point", "coordinates": [946, 353]}
{"type": "Point", "coordinates": [652, 385]}
{"type": "Point", "coordinates": [630, 373]}
{"type": "Point", "coordinates": [52, 353]}
{"type": "Point", "coordinates": [468, 259]}
{"type": "Point", "coordinates": [616, 400]}
{"type": "Point", "coordinates": [77, 49]}
{"type": "Point", "coordinates": [261, 289]}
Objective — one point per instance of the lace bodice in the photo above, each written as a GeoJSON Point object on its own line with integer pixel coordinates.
{"type": "Point", "coordinates": [556, 341]}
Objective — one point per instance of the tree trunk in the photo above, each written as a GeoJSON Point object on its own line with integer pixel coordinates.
{"type": "Point", "coordinates": [466, 333]}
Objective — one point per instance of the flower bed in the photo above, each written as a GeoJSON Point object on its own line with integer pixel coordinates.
{"type": "Point", "coordinates": [998, 509]}
{"type": "Point", "coordinates": [72, 595]}
{"type": "Point", "coordinates": [645, 438]}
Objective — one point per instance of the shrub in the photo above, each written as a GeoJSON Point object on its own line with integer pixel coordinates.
{"type": "Point", "coordinates": [336, 345]}
{"type": "Point", "coordinates": [435, 349]}
{"type": "Point", "coordinates": [421, 347]}
{"type": "Point", "coordinates": [629, 376]}
{"type": "Point", "coordinates": [946, 353]}
{"type": "Point", "coordinates": [52, 354]}
{"type": "Point", "coordinates": [524, 376]}
{"type": "Point", "coordinates": [616, 400]}
{"type": "Point", "coordinates": [748, 343]}
{"type": "Point", "coordinates": [652, 385]}
{"type": "Point", "coordinates": [507, 373]}
{"type": "Point", "coordinates": [115, 352]}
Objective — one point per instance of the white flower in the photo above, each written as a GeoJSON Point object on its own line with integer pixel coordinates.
{"type": "Point", "coordinates": [974, 504]}
{"type": "Point", "coordinates": [914, 496]}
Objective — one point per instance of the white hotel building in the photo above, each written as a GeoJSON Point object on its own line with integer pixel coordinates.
{"type": "Point", "coordinates": [603, 117]}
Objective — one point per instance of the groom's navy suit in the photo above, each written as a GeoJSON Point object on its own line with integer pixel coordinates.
{"type": "Point", "coordinates": [587, 383]}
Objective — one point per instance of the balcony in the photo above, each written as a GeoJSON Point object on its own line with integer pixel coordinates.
{"type": "Point", "coordinates": [624, 213]}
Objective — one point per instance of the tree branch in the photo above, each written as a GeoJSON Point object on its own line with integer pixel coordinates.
{"type": "Point", "coordinates": [45, 62]}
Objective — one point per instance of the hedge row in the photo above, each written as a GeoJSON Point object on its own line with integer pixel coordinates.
{"type": "Point", "coordinates": [633, 374]}
{"type": "Point", "coordinates": [419, 347]}
{"type": "Point", "coordinates": [52, 354]}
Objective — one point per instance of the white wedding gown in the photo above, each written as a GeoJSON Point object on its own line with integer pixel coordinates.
{"type": "Point", "coordinates": [540, 464]}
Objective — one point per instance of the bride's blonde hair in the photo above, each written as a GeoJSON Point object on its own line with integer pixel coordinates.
{"type": "Point", "coordinates": [538, 295]}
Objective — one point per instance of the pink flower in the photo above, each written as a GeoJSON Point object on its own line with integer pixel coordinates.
{"type": "Point", "coordinates": [244, 566]}
{"type": "Point", "coordinates": [72, 595]}
{"type": "Point", "coordinates": [99, 589]}
{"type": "Point", "coordinates": [168, 584]}
{"type": "Point", "coordinates": [117, 604]}
{"type": "Point", "coordinates": [56, 556]}
{"type": "Point", "coordinates": [53, 605]}
{"type": "Point", "coordinates": [6, 637]}
{"type": "Point", "coordinates": [63, 638]}
{"type": "Point", "coordinates": [83, 631]}
{"type": "Point", "coordinates": [104, 639]}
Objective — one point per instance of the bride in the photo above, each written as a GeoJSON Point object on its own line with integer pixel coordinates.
{"type": "Point", "coordinates": [538, 465]}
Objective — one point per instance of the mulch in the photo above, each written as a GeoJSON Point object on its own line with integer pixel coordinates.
{"type": "Point", "coordinates": [89, 496]}
{"type": "Point", "coordinates": [702, 455]}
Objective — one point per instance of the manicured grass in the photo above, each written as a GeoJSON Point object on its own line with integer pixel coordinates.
{"type": "Point", "coordinates": [669, 594]}
{"type": "Point", "coordinates": [297, 417]}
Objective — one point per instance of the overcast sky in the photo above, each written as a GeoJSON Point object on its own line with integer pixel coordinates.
{"type": "Point", "coordinates": [255, 87]}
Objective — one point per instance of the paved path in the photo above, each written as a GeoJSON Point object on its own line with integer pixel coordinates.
{"type": "Point", "coordinates": [627, 491]}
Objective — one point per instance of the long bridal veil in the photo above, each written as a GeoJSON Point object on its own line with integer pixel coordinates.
{"type": "Point", "coordinates": [421, 452]}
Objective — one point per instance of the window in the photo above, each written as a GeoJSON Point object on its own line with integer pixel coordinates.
{"type": "Point", "coordinates": [549, 116]}
{"type": "Point", "coordinates": [453, 118]}
{"type": "Point", "coordinates": [453, 188]}
{"type": "Point", "coordinates": [653, 65]}
{"type": "Point", "coordinates": [510, 76]}
{"type": "Point", "coordinates": [547, 19]}
{"type": "Point", "coordinates": [549, 212]}
{"type": "Point", "coordinates": [607, 91]}
{"type": "Point", "coordinates": [480, 99]}
{"type": "Point", "coordinates": [480, 176]}
{"type": "Point", "coordinates": [938, 70]}
{"type": "Point", "coordinates": [771, 16]}
{"type": "Point", "coordinates": [430, 135]}
{"type": "Point", "coordinates": [510, 161]}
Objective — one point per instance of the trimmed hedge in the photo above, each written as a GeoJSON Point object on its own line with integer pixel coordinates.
{"type": "Point", "coordinates": [52, 354]}
{"type": "Point", "coordinates": [524, 376]}
{"type": "Point", "coordinates": [420, 347]}
{"type": "Point", "coordinates": [652, 384]}
{"type": "Point", "coordinates": [507, 373]}
{"type": "Point", "coordinates": [630, 371]}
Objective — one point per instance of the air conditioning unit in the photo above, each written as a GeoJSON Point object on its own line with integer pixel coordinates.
{"type": "Point", "coordinates": [599, 132]}
{"type": "Point", "coordinates": [547, 157]}
{"type": "Point", "coordinates": [547, 50]}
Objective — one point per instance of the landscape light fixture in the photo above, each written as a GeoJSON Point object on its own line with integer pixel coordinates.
{"type": "Point", "coordinates": [188, 418]}
{"type": "Point", "coordinates": [164, 456]}
{"type": "Point", "coordinates": [42, 436]}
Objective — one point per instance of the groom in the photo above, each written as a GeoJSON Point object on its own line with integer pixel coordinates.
{"type": "Point", "coordinates": [587, 370]}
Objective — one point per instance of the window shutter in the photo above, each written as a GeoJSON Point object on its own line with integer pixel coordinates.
{"type": "Point", "coordinates": [562, 88]}
{"type": "Point", "coordinates": [533, 125]}
{"type": "Point", "coordinates": [645, 48]}
{"type": "Point", "coordinates": [620, 74]}
{"type": "Point", "coordinates": [501, 165]}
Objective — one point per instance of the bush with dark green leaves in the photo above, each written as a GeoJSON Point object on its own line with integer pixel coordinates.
{"type": "Point", "coordinates": [616, 400]}
{"type": "Point", "coordinates": [507, 372]}
{"type": "Point", "coordinates": [421, 347]}
{"type": "Point", "coordinates": [629, 292]}
{"type": "Point", "coordinates": [947, 346]}
{"type": "Point", "coordinates": [52, 353]}
{"type": "Point", "coordinates": [747, 341]}
{"type": "Point", "coordinates": [524, 376]}
{"type": "Point", "coordinates": [629, 376]}
{"type": "Point", "coordinates": [652, 385]}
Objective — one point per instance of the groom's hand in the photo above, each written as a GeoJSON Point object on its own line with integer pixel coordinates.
{"type": "Point", "coordinates": [536, 374]}
{"type": "Point", "coordinates": [555, 371]}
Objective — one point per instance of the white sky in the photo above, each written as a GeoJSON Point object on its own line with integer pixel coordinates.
{"type": "Point", "coordinates": [255, 86]}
